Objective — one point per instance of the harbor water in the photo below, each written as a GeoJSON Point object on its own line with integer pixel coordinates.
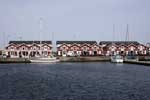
{"type": "Point", "coordinates": [74, 81]}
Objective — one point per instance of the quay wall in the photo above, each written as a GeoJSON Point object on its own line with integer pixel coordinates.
{"type": "Point", "coordinates": [147, 63]}
{"type": "Point", "coordinates": [84, 59]}
{"type": "Point", "coordinates": [14, 60]}
{"type": "Point", "coordinates": [144, 58]}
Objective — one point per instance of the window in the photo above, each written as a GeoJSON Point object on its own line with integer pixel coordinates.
{"type": "Point", "coordinates": [15, 53]}
{"type": "Point", "coordinates": [44, 52]}
{"type": "Point", "coordinates": [85, 48]}
{"type": "Point", "coordinates": [45, 47]}
{"type": "Point", "coordinates": [34, 48]}
{"type": "Point", "coordinates": [11, 48]}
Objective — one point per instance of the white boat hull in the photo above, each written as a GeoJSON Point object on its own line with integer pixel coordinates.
{"type": "Point", "coordinates": [44, 60]}
{"type": "Point", "coordinates": [39, 61]}
{"type": "Point", "coordinates": [117, 60]}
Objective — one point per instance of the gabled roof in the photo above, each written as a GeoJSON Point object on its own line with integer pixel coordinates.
{"type": "Point", "coordinates": [11, 45]}
{"type": "Point", "coordinates": [76, 42]}
{"type": "Point", "coordinates": [34, 44]}
{"type": "Point", "coordinates": [96, 45]}
{"type": "Point", "coordinates": [46, 45]}
{"type": "Point", "coordinates": [74, 45]}
{"type": "Point", "coordinates": [119, 42]}
{"type": "Point", "coordinates": [62, 45]}
{"type": "Point", "coordinates": [112, 44]}
{"type": "Point", "coordinates": [142, 45]}
{"type": "Point", "coordinates": [29, 42]}
{"type": "Point", "coordinates": [23, 45]}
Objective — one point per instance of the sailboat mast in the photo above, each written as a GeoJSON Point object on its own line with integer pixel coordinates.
{"type": "Point", "coordinates": [53, 39]}
{"type": "Point", "coordinates": [52, 36]}
{"type": "Point", "coordinates": [113, 38]}
{"type": "Point", "coordinates": [4, 39]}
{"type": "Point", "coordinates": [40, 34]}
{"type": "Point", "coordinates": [127, 33]}
{"type": "Point", "coordinates": [40, 29]}
{"type": "Point", "coordinates": [113, 32]}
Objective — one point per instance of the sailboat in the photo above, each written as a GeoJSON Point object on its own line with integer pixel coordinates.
{"type": "Point", "coordinates": [43, 59]}
{"type": "Point", "coordinates": [40, 59]}
{"type": "Point", "coordinates": [116, 58]}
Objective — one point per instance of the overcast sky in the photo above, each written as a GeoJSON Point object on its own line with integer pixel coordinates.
{"type": "Point", "coordinates": [74, 20]}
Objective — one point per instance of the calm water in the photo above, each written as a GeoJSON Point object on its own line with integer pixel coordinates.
{"type": "Point", "coordinates": [74, 81]}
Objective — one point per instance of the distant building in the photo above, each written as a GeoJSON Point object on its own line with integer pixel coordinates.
{"type": "Point", "coordinates": [1, 52]}
{"type": "Point", "coordinates": [75, 48]}
{"type": "Point", "coordinates": [28, 49]}
{"type": "Point", "coordinates": [142, 49]}
{"type": "Point", "coordinates": [123, 48]}
{"type": "Point", "coordinates": [148, 48]}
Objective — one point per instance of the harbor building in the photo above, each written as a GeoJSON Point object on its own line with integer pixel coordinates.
{"type": "Point", "coordinates": [142, 50]}
{"type": "Point", "coordinates": [123, 48]}
{"type": "Point", "coordinates": [1, 52]}
{"type": "Point", "coordinates": [78, 48]}
{"type": "Point", "coordinates": [26, 49]}
{"type": "Point", "coordinates": [148, 48]}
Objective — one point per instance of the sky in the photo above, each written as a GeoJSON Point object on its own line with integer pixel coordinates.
{"type": "Point", "coordinates": [74, 20]}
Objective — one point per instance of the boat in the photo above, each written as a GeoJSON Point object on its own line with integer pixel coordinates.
{"type": "Point", "coordinates": [44, 60]}
{"type": "Point", "coordinates": [117, 59]}
{"type": "Point", "coordinates": [131, 58]}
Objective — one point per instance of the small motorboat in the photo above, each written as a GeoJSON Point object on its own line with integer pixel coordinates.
{"type": "Point", "coordinates": [117, 59]}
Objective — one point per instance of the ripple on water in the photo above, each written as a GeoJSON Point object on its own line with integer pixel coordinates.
{"type": "Point", "coordinates": [74, 81]}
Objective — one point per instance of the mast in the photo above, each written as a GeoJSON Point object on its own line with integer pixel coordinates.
{"type": "Point", "coordinates": [113, 32]}
{"type": "Point", "coordinates": [40, 34]}
{"type": "Point", "coordinates": [113, 38]}
{"type": "Point", "coordinates": [127, 33]}
{"type": "Point", "coordinates": [8, 36]}
{"type": "Point", "coordinates": [53, 40]}
{"type": "Point", "coordinates": [4, 39]}
{"type": "Point", "coordinates": [20, 37]}
{"type": "Point", "coordinates": [40, 30]}
{"type": "Point", "coordinates": [52, 36]}
{"type": "Point", "coordinates": [74, 36]}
